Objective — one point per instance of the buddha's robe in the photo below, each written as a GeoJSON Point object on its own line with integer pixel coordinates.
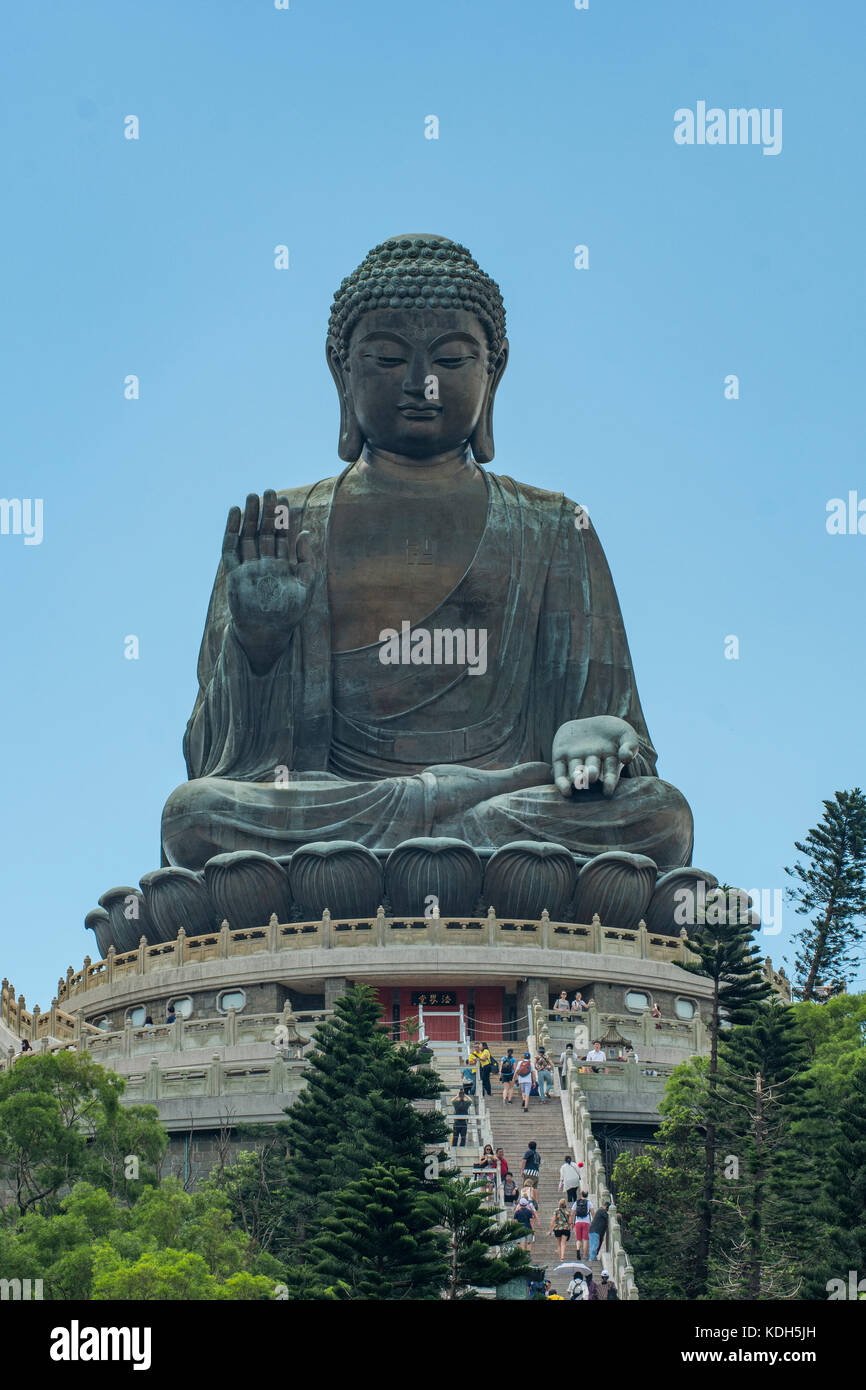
{"type": "Point", "coordinates": [337, 745]}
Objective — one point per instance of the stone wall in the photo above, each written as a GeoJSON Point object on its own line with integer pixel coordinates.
{"type": "Point", "coordinates": [264, 998]}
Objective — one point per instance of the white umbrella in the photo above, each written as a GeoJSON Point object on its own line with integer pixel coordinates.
{"type": "Point", "coordinates": [573, 1264]}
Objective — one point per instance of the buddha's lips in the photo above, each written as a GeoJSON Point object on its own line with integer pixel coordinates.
{"type": "Point", "coordinates": [419, 412]}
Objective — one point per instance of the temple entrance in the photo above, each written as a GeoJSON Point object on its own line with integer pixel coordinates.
{"type": "Point", "coordinates": [443, 1025]}
{"type": "Point", "coordinates": [440, 1005]}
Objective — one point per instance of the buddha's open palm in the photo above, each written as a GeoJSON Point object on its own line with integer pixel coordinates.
{"type": "Point", "coordinates": [586, 751]}
{"type": "Point", "coordinates": [269, 578]}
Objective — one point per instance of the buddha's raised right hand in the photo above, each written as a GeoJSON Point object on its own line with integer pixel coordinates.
{"type": "Point", "coordinates": [269, 580]}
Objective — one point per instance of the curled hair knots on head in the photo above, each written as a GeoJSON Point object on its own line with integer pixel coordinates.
{"type": "Point", "coordinates": [419, 271]}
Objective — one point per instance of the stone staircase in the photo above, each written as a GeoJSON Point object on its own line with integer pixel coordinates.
{"type": "Point", "coordinates": [511, 1131]}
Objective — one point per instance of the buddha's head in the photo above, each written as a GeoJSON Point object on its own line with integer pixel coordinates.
{"type": "Point", "coordinates": [417, 348]}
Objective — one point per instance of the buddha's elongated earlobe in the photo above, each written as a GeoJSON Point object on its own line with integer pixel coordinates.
{"type": "Point", "coordinates": [351, 440]}
{"type": "Point", "coordinates": [481, 442]}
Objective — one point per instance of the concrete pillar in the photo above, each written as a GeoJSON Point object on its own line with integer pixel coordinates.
{"type": "Point", "coordinates": [335, 988]}
{"type": "Point", "coordinates": [532, 988]}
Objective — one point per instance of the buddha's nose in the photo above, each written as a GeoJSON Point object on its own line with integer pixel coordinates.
{"type": "Point", "coordinates": [416, 375]}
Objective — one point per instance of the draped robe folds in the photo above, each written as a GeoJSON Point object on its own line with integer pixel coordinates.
{"type": "Point", "coordinates": [336, 745]}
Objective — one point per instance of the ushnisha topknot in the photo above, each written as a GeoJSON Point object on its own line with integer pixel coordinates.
{"type": "Point", "coordinates": [419, 271]}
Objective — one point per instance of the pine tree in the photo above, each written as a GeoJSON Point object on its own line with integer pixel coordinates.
{"type": "Point", "coordinates": [376, 1242]}
{"type": "Point", "coordinates": [758, 1098]}
{"type": "Point", "coordinates": [832, 886]}
{"type": "Point", "coordinates": [721, 938]}
{"type": "Point", "coordinates": [317, 1123]}
{"type": "Point", "coordinates": [657, 1195]}
{"type": "Point", "coordinates": [383, 1123]}
{"type": "Point", "coordinates": [357, 1110]}
{"type": "Point", "coordinates": [481, 1251]}
{"type": "Point", "coordinates": [844, 1207]}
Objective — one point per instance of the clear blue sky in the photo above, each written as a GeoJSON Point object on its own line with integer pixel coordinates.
{"type": "Point", "coordinates": [306, 127]}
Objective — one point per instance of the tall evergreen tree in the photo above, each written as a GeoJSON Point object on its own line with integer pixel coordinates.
{"type": "Point", "coordinates": [383, 1123]}
{"type": "Point", "coordinates": [721, 938]}
{"type": "Point", "coordinates": [831, 891]}
{"type": "Point", "coordinates": [758, 1097]}
{"type": "Point", "coordinates": [316, 1124]}
{"type": "Point", "coordinates": [357, 1110]}
{"type": "Point", "coordinates": [481, 1252]}
{"type": "Point", "coordinates": [375, 1242]}
{"type": "Point", "coordinates": [844, 1207]}
{"type": "Point", "coordinates": [657, 1196]}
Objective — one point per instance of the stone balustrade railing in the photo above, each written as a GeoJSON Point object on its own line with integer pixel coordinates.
{"type": "Point", "coordinates": [227, 1030]}
{"type": "Point", "coordinates": [35, 1025]}
{"type": "Point", "coordinates": [379, 931]}
{"type": "Point", "coordinates": [274, 1075]}
{"type": "Point", "coordinates": [618, 1262]}
{"type": "Point", "coordinates": [595, 1178]}
{"type": "Point", "coordinates": [642, 1029]}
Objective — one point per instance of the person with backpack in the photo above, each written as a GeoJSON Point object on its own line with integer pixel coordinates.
{"type": "Point", "coordinates": [507, 1069]}
{"type": "Point", "coordinates": [559, 1226]}
{"type": "Point", "coordinates": [531, 1164]}
{"type": "Point", "coordinates": [598, 1229]}
{"type": "Point", "coordinates": [569, 1179]}
{"type": "Point", "coordinates": [581, 1214]}
{"type": "Point", "coordinates": [525, 1079]}
{"type": "Point", "coordinates": [524, 1213]}
{"type": "Point", "coordinates": [544, 1071]}
{"type": "Point", "coordinates": [577, 1289]}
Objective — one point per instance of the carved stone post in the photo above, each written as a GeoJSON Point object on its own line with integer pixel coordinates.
{"type": "Point", "coordinates": [595, 934]}
{"type": "Point", "coordinates": [273, 932]}
{"type": "Point", "coordinates": [214, 1076]}
{"type": "Point", "coordinates": [545, 939]}
{"type": "Point", "coordinates": [381, 927]}
{"type": "Point", "coordinates": [179, 947]}
{"type": "Point", "coordinates": [492, 927]}
{"type": "Point", "coordinates": [109, 964]}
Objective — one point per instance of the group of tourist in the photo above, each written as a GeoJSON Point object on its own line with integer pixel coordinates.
{"type": "Point", "coordinates": [578, 1005]}
{"type": "Point", "coordinates": [523, 1074]}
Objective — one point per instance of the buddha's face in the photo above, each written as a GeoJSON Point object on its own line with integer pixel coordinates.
{"type": "Point", "coordinates": [418, 379]}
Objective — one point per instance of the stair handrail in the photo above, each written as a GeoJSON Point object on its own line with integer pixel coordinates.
{"type": "Point", "coordinates": [579, 1132]}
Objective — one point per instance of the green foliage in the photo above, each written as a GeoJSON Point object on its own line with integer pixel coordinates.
{"type": "Point", "coordinates": [61, 1120]}
{"type": "Point", "coordinates": [376, 1241]}
{"type": "Point", "coordinates": [760, 1095]}
{"type": "Point", "coordinates": [831, 891]}
{"type": "Point", "coordinates": [721, 938]}
{"type": "Point", "coordinates": [96, 1247]}
{"type": "Point", "coordinates": [657, 1196]}
{"type": "Point", "coordinates": [356, 1111]}
{"type": "Point", "coordinates": [458, 1207]}
{"type": "Point", "coordinates": [256, 1187]}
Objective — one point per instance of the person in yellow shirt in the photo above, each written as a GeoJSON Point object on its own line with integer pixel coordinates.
{"type": "Point", "coordinates": [485, 1061]}
{"type": "Point", "coordinates": [473, 1062]}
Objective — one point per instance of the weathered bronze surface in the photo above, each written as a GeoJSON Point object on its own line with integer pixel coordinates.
{"type": "Point", "coordinates": [323, 712]}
